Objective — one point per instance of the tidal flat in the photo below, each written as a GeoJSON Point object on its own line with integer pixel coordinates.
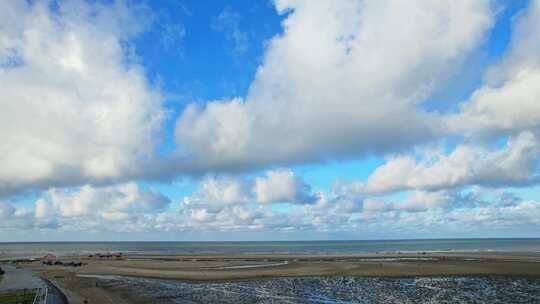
{"type": "Point", "coordinates": [422, 277]}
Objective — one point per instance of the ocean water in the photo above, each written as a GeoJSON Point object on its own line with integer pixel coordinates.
{"type": "Point", "coordinates": [334, 290]}
{"type": "Point", "coordinates": [82, 248]}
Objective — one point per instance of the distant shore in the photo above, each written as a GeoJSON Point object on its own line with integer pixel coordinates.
{"type": "Point", "coordinates": [80, 283]}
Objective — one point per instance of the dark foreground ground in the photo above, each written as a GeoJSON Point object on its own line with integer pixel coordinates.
{"type": "Point", "coordinates": [331, 290]}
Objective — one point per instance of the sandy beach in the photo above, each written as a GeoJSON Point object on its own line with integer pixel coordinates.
{"type": "Point", "coordinates": [79, 283]}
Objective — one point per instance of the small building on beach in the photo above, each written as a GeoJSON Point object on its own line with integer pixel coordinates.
{"type": "Point", "coordinates": [116, 254]}
{"type": "Point", "coordinates": [49, 259]}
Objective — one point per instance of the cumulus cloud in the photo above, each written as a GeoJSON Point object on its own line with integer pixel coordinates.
{"type": "Point", "coordinates": [117, 202]}
{"type": "Point", "coordinates": [430, 212]}
{"type": "Point", "coordinates": [505, 107]}
{"type": "Point", "coordinates": [14, 218]}
{"type": "Point", "coordinates": [129, 208]}
{"type": "Point", "coordinates": [215, 192]}
{"type": "Point", "coordinates": [282, 186]}
{"type": "Point", "coordinates": [349, 201]}
{"type": "Point", "coordinates": [277, 186]}
{"type": "Point", "coordinates": [516, 164]}
{"type": "Point", "coordinates": [508, 100]}
{"type": "Point", "coordinates": [336, 83]}
{"type": "Point", "coordinates": [74, 105]}
{"type": "Point", "coordinates": [227, 203]}
{"type": "Point", "coordinates": [422, 201]}
{"type": "Point", "coordinates": [77, 110]}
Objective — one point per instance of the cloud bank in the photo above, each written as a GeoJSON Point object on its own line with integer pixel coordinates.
{"type": "Point", "coordinates": [79, 121]}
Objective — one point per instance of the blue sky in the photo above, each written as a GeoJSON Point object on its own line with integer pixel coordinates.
{"type": "Point", "coordinates": [187, 120]}
{"type": "Point", "coordinates": [205, 58]}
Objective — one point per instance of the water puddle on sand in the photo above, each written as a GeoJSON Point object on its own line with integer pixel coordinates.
{"type": "Point", "coordinates": [255, 265]}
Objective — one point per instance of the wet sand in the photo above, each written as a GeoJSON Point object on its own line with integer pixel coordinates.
{"type": "Point", "coordinates": [79, 283]}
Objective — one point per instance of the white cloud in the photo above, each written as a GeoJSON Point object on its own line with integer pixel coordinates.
{"type": "Point", "coordinates": [422, 201]}
{"type": "Point", "coordinates": [216, 192]}
{"type": "Point", "coordinates": [340, 87]}
{"type": "Point", "coordinates": [226, 203]}
{"type": "Point", "coordinates": [74, 106]}
{"type": "Point", "coordinates": [462, 212]}
{"type": "Point", "coordinates": [509, 99]}
{"type": "Point", "coordinates": [505, 106]}
{"type": "Point", "coordinates": [282, 186]}
{"type": "Point", "coordinates": [14, 218]}
{"type": "Point", "coordinates": [117, 202]}
{"type": "Point", "coordinates": [515, 164]}
{"type": "Point", "coordinates": [375, 205]}
{"type": "Point", "coordinates": [76, 109]}
{"type": "Point", "coordinates": [121, 209]}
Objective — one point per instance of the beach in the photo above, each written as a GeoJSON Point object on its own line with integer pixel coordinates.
{"type": "Point", "coordinates": [87, 281]}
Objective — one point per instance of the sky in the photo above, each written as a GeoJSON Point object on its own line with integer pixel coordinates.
{"type": "Point", "coordinates": [180, 120]}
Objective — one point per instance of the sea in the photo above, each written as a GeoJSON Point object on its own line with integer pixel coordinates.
{"type": "Point", "coordinates": [36, 249]}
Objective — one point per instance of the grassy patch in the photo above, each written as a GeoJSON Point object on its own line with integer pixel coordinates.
{"type": "Point", "coordinates": [19, 297]}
